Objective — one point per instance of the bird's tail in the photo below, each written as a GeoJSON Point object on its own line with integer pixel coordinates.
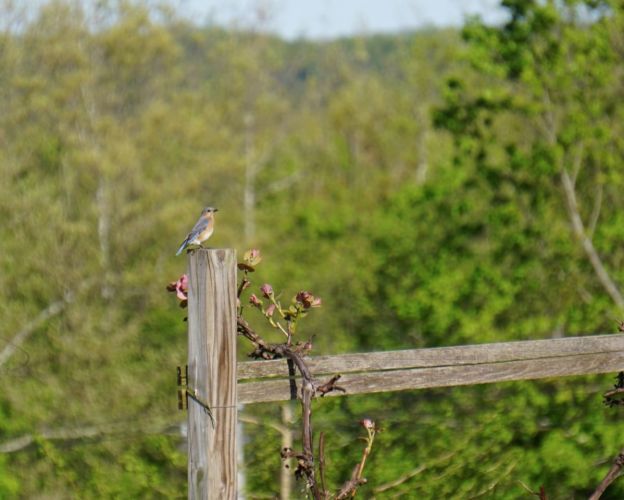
{"type": "Point", "coordinates": [182, 247]}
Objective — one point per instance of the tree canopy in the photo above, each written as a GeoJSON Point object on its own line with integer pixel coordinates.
{"type": "Point", "coordinates": [440, 187]}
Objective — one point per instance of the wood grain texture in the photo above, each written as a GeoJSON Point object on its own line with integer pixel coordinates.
{"type": "Point", "coordinates": [446, 376]}
{"type": "Point", "coordinates": [212, 374]}
{"type": "Point", "coordinates": [439, 356]}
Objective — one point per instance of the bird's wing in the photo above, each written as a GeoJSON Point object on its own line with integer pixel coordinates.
{"type": "Point", "coordinates": [198, 228]}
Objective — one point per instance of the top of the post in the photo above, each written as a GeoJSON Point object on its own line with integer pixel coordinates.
{"type": "Point", "coordinates": [221, 254]}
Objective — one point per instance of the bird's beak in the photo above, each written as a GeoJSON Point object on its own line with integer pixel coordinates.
{"type": "Point", "coordinates": [215, 209]}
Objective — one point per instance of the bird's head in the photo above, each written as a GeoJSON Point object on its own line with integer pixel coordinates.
{"type": "Point", "coordinates": [209, 211]}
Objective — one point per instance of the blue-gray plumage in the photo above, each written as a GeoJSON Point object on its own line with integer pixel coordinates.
{"type": "Point", "coordinates": [202, 230]}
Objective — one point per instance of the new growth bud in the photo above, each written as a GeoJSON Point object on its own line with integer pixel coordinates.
{"type": "Point", "coordinates": [267, 290]}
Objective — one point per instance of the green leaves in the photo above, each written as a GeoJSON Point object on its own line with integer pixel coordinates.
{"type": "Point", "coordinates": [413, 234]}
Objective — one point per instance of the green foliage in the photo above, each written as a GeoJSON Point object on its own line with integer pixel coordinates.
{"type": "Point", "coordinates": [485, 250]}
{"type": "Point", "coordinates": [411, 181]}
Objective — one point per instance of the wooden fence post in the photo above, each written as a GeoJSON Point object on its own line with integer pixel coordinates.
{"type": "Point", "coordinates": [212, 374]}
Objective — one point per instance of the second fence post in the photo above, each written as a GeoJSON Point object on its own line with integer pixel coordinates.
{"type": "Point", "coordinates": [212, 374]}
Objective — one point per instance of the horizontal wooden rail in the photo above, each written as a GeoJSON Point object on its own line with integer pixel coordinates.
{"type": "Point", "coordinates": [440, 367]}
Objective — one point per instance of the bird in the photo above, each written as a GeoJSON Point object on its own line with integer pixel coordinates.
{"type": "Point", "coordinates": [202, 230]}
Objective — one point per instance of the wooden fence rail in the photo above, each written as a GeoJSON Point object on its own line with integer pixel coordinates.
{"type": "Point", "coordinates": [265, 381]}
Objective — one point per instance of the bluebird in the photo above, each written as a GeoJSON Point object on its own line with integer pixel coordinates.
{"type": "Point", "coordinates": [202, 230]}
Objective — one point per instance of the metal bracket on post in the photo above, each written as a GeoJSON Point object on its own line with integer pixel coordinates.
{"type": "Point", "coordinates": [182, 388]}
{"type": "Point", "coordinates": [184, 393]}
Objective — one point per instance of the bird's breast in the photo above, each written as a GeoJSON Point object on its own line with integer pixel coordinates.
{"type": "Point", "coordinates": [205, 233]}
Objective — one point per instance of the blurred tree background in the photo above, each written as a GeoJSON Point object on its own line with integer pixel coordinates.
{"type": "Point", "coordinates": [441, 187]}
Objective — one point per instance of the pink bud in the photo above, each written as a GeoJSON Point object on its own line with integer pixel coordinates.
{"type": "Point", "coordinates": [303, 297]}
{"type": "Point", "coordinates": [254, 300]}
{"type": "Point", "coordinates": [267, 290]}
{"type": "Point", "coordinates": [367, 423]}
{"type": "Point", "coordinates": [182, 287]}
{"type": "Point", "coordinates": [308, 300]}
{"type": "Point", "coordinates": [184, 282]}
{"type": "Point", "coordinates": [270, 310]}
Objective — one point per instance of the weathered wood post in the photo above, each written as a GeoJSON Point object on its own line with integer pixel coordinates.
{"type": "Point", "coordinates": [212, 374]}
